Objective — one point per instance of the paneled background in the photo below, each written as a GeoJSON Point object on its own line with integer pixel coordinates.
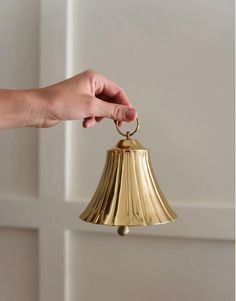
{"type": "Point", "coordinates": [19, 57]}
{"type": "Point", "coordinates": [175, 60]}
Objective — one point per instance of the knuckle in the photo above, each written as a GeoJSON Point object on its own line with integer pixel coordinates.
{"type": "Point", "coordinates": [121, 91]}
{"type": "Point", "coordinates": [117, 112]}
{"type": "Point", "coordinates": [94, 80]}
{"type": "Point", "coordinates": [90, 107]}
{"type": "Point", "coordinates": [90, 73]}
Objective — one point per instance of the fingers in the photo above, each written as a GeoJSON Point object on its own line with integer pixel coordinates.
{"type": "Point", "coordinates": [108, 110]}
{"type": "Point", "coordinates": [108, 100]}
{"type": "Point", "coordinates": [98, 119]}
{"type": "Point", "coordinates": [89, 122]}
{"type": "Point", "coordinates": [109, 91]}
{"type": "Point", "coordinates": [113, 111]}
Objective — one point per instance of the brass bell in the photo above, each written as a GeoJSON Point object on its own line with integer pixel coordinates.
{"type": "Point", "coordinates": [128, 193]}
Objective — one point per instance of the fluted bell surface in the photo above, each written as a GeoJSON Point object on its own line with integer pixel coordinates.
{"type": "Point", "coordinates": [128, 193]}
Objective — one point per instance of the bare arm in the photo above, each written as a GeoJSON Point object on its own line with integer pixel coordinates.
{"type": "Point", "coordinates": [88, 96]}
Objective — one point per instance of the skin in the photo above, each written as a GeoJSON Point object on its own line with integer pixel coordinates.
{"type": "Point", "coordinates": [88, 96]}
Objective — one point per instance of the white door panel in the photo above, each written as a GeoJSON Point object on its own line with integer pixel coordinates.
{"type": "Point", "coordinates": [175, 60]}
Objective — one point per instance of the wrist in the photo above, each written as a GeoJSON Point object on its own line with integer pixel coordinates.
{"type": "Point", "coordinates": [15, 108]}
{"type": "Point", "coordinates": [36, 109]}
{"type": "Point", "coordinates": [43, 108]}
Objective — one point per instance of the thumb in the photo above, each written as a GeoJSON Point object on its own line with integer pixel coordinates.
{"type": "Point", "coordinates": [114, 111]}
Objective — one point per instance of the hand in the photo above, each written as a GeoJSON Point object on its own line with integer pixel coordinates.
{"type": "Point", "coordinates": [88, 96]}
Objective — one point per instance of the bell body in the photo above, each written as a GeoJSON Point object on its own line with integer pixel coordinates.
{"type": "Point", "coordinates": [128, 193]}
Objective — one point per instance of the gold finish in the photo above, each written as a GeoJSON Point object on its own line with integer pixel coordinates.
{"type": "Point", "coordinates": [123, 230]}
{"type": "Point", "coordinates": [128, 193]}
{"type": "Point", "coordinates": [127, 134]}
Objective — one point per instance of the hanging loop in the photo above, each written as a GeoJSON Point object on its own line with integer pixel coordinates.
{"type": "Point", "coordinates": [127, 134]}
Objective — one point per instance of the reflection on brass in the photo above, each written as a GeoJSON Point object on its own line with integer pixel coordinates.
{"type": "Point", "coordinates": [128, 193]}
{"type": "Point", "coordinates": [123, 230]}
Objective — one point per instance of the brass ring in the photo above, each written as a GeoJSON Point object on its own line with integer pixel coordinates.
{"type": "Point", "coordinates": [127, 134]}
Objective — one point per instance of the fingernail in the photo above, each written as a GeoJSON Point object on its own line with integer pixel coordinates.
{"type": "Point", "coordinates": [130, 114]}
{"type": "Point", "coordinates": [88, 124]}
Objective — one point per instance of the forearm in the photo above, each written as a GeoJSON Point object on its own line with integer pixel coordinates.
{"type": "Point", "coordinates": [88, 96]}
{"type": "Point", "coordinates": [19, 109]}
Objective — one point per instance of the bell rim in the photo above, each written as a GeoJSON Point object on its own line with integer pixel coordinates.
{"type": "Point", "coordinates": [131, 225]}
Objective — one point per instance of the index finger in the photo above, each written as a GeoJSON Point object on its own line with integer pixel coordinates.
{"type": "Point", "coordinates": [111, 92]}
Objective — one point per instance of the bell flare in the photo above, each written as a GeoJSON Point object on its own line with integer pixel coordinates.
{"type": "Point", "coordinates": [128, 193]}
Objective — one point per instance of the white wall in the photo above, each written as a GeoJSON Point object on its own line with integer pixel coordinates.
{"type": "Point", "coordinates": [107, 267]}
{"type": "Point", "coordinates": [19, 264]}
{"type": "Point", "coordinates": [175, 60]}
{"type": "Point", "coordinates": [19, 34]}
